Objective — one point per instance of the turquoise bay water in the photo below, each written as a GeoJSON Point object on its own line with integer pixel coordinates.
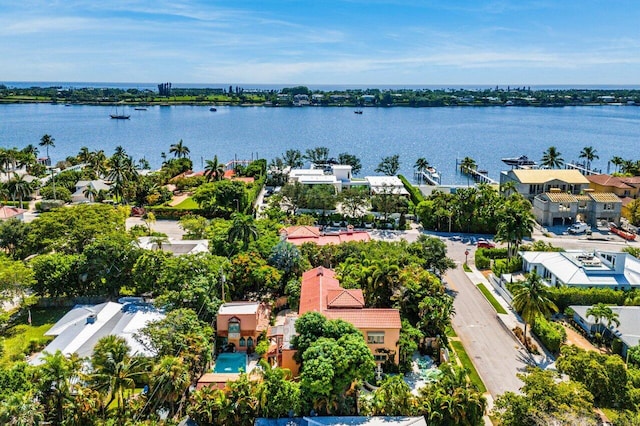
{"type": "Point", "coordinates": [439, 134]}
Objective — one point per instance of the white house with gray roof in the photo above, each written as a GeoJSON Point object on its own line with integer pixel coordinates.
{"type": "Point", "coordinates": [79, 330]}
{"type": "Point", "coordinates": [628, 331]}
{"type": "Point", "coordinates": [588, 269]}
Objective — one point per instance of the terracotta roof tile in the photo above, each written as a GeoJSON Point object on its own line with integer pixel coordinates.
{"type": "Point", "coordinates": [608, 180]}
{"type": "Point", "coordinates": [345, 299]}
{"type": "Point", "coordinates": [604, 197]}
{"type": "Point", "coordinates": [367, 318]}
{"type": "Point", "coordinates": [7, 212]}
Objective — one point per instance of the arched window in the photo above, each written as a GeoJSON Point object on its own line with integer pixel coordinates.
{"type": "Point", "coordinates": [234, 325]}
{"type": "Point", "coordinates": [250, 342]}
{"type": "Point", "coordinates": [243, 342]}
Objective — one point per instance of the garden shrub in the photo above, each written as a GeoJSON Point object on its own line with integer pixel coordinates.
{"type": "Point", "coordinates": [414, 192]}
{"type": "Point", "coordinates": [551, 334]}
{"type": "Point", "coordinates": [482, 262]}
{"type": "Point", "coordinates": [504, 266]}
{"type": "Point", "coordinates": [563, 297]}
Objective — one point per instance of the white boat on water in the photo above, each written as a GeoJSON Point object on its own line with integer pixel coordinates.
{"type": "Point", "coordinates": [523, 160]}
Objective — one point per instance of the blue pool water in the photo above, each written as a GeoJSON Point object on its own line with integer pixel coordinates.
{"type": "Point", "coordinates": [230, 363]}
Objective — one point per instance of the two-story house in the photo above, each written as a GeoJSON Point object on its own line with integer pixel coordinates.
{"type": "Point", "coordinates": [532, 182]}
{"type": "Point", "coordinates": [241, 323]}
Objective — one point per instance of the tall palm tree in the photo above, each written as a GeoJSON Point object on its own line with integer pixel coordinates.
{"type": "Point", "coordinates": [516, 222]}
{"type": "Point", "coordinates": [84, 155]}
{"type": "Point", "coordinates": [57, 376]}
{"type": "Point", "coordinates": [114, 371]}
{"type": "Point", "coordinates": [122, 173]}
{"type": "Point", "coordinates": [421, 165]}
{"type": "Point", "coordinates": [601, 311]}
{"type": "Point", "coordinates": [552, 158]}
{"type": "Point", "coordinates": [169, 382]}
{"type": "Point", "coordinates": [20, 188]}
{"type": "Point", "coordinates": [98, 163]}
{"type": "Point", "coordinates": [617, 161]}
{"type": "Point", "coordinates": [47, 141]}
{"type": "Point", "coordinates": [243, 229]}
{"type": "Point", "coordinates": [179, 150]}
{"type": "Point", "coordinates": [589, 154]}
{"type": "Point", "coordinates": [214, 171]}
{"type": "Point", "coordinates": [90, 193]}
{"type": "Point", "coordinates": [468, 163]}
{"type": "Point", "coordinates": [532, 299]}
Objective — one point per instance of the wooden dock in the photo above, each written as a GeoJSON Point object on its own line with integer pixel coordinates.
{"type": "Point", "coordinates": [477, 175]}
{"type": "Point", "coordinates": [428, 177]}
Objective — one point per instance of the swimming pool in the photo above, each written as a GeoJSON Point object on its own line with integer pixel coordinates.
{"type": "Point", "coordinates": [230, 363]}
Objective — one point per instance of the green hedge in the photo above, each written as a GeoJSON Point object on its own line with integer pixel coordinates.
{"type": "Point", "coordinates": [504, 266]}
{"type": "Point", "coordinates": [25, 204]}
{"type": "Point", "coordinates": [414, 193]}
{"type": "Point", "coordinates": [482, 262]}
{"type": "Point", "coordinates": [495, 253]}
{"type": "Point", "coordinates": [566, 296]}
{"type": "Point", "coordinates": [171, 213]}
{"type": "Point", "coordinates": [551, 334]}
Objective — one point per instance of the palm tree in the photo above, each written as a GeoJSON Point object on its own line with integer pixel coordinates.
{"type": "Point", "coordinates": [18, 187]}
{"type": "Point", "coordinates": [57, 374]}
{"type": "Point", "coordinates": [84, 155]}
{"type": "Point", "coordinates": [90, 193]}
{"type": "Point", "coordinates": [421, 165]}
{"type": "Point", "coordinates": [47, 141]}
{"type": "Point", "coordinates": [617, 161]}
{"type": "Point", "coordinates": [179, 150]}
{"type": "Point", "coordinates": [589, 154]}
{"type": "Point", "coordinates": [601, 311]}
{"type": "Point", "coordinates": [532, 299]}
{"type": "Point", "coordinates": [98, 163]}
{"type": "Point", "coordinates": [467, 164]}
{"type": "Point", "coordinates": [169, 382]}
{"type": "Point", "coordinates": [214, 170]}
{"type": "Point", "coordinates": [243, 228]}
{"type": "Point", "coordinates": [122, 172]}
{"type": "Point", "coordinates": [552, 158]}
{"type": "Point", "coordinates": [516, 222]}
{"type": "Point", "coordinates": [114, 371]}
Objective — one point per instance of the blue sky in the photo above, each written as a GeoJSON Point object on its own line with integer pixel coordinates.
{"type": "Point", "coordinates": [430, 42]}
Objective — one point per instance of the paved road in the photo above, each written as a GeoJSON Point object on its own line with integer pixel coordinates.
{"type": "Point", "coordinates": [495, 353]}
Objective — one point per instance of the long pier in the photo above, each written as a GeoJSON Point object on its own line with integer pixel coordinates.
{"type": "Point", "coordinates": [581, 169]}
{"type": "Point", "coordinates": [475, 174]}
{"type": "Point", "coordinates": [428, 176]}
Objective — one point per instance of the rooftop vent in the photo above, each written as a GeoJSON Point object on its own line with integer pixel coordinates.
{"type": "Point", "coordinates": [91, 319]}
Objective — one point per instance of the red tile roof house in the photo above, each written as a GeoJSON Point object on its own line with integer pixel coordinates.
{"type": "Point", "coordinates": [8, 212]}
{"type": "Point", "coordinates": [298, 235]}
{"type": "Point", "coordinates": [321, 292]}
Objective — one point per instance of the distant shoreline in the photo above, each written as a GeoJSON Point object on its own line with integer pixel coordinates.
{"type": "Point", "coordinates": [301, 96]}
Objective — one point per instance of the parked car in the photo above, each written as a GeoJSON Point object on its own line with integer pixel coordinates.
{"type": "Point", "coordinates": [486, 244]}
{"type": "Point", "coordinates": [578, 228]}
{"type": "Point", "coordinates": [456, 238]}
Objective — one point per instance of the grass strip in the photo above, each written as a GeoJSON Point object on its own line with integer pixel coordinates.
{"type": "Point", "coordinates": [466, 268]}
{"type": "Point", "coordinates": [496, 305]}
{"type": "Point", "coordinates": [187, 204]}
{"type": "Point", "coordinates": [450, 331]}
{"type": "Point", "coordinates": [468, 365]}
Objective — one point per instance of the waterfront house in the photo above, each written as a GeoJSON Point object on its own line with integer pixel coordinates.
{"type": "Point", "coordinates": [626, 188]}
{"type": "Point", "coordinates": [628, 331]}
{"type": "Point", "coordinates": [562, 208]}
{"type": "Point", "coordinates": [386, 185]}
{"type": "Point", "coordinates": [586, 269]}
{"type": "Point", "coordinates": [241, 323]}
{"type": "Point", "coordinates": [79, 330]}
{"type": "Point", "coordinates": [532, 182]}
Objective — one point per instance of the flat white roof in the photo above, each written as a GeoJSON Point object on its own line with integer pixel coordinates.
{"type": "Point", "coordinates": [388, 184]}
{"type": "Point", "coordinates": [577, 267]}
{"type": "Point", "coordinates": [239, 308]}
{"type": "Point", "coordinates": [326, 179]}
{"type": "Point", "coordinates": [306, 172]}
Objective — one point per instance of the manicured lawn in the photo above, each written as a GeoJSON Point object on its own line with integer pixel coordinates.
{"type": "Point", "coordinates": [466, 363]}
{"type": "Point", "coordinates": [187, 204]}
{"type": "Point", "coordinates": [18, 337]}
{"type": "Point", "coordinates": [496, 305]}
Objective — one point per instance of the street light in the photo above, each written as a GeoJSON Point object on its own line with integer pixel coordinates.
{"type": "Point", "coordinates": [237, 204]}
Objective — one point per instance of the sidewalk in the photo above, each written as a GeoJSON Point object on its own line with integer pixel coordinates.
{"type": "Point", "coordinates": [545, 360]}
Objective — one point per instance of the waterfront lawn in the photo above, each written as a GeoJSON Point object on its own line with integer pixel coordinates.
{"type": "Point", "coordinates": [468, 365]}
{"type": "Point", "coordinates": [487, 294]}
{"type": "Point", "coordinates": [18, 336]}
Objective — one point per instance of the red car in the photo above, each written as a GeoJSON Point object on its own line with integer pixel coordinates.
{"type": "Point", "coordinates": [486, 244]}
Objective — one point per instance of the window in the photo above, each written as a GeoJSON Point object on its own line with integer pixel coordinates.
{"type": "Point", "coordinates": [380, 358]}
{"type": "Point", "coordinates": [243, 342]}
{"type": "Point", "coordinates": [375, 337]}
{"type": "Point", "coordinates": [250, 342]}
{"type": "Point", "coordinates": [234, 325]}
